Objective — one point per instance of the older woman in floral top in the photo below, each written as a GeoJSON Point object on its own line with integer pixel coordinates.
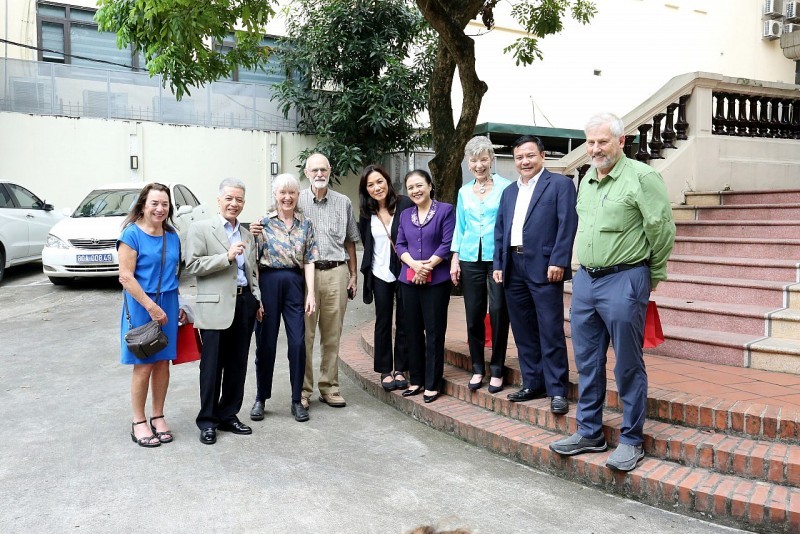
{"type": "Point", "coordinates": [287, 252]}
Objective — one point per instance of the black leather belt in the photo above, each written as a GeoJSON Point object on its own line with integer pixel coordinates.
{"type": "Point", "coordinates": [325, 265]}
{"type": "Point", "coordinates": [599, 272]}
{"type": "Point", "coordinates": [516, 248]}
{"type": "Point", "coordinates": [240, 290]}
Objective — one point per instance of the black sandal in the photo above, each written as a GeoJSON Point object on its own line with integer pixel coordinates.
{"type": "Point", "coordinates": [160, 435]}
{"type": "Point", "coordinates": [388, 386]}
{"type": "Point", "coordinates": [146, 441]}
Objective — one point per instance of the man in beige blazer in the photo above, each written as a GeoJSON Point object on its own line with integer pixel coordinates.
{"type": "Point", "coordinates": [222, 254]}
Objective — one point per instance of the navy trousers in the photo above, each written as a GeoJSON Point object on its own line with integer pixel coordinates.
{"type": "Point", "coordinates": [611, 308]}
{"type": "Point", "coordinates": [284, 295]}
{"type": "Point", "coordinates": [536, 312]}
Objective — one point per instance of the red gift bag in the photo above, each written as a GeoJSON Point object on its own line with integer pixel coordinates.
{"type": "Point", "coordinates": [653, 335]}
{"type": "Point", "coordinates": [189, 344]}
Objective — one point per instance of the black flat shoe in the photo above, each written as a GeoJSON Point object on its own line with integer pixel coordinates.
{"type": "Point", "coordinates": [526, 394]}
{"type": "Point", "coordinates": [411, 392]}
{"type": "Point", "coordinates": [146, 441]}
{"type": "Point", "coordinates": [475, 386]}
{"type": "Point", "coordinates": [236, 427]}
{"type": "Point", "coordinates": [163, 437]}
{"type": "Point", "coordinates": [494, 389]}
{"type": "Point", "coordinates": [401, 383]}
{"type": "Point", "coordinates": [430, 398]}
{"type": "Point", "coordinates": [208, 436]}
{"type": "Point", "coordinates": [388, 386]}
{"type": "Point", "coordinates": [257, 411]}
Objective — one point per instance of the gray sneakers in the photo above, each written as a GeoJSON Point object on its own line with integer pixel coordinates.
{"type": "Point", "coordinates": [625, 457]}
{"type": "Point", "coordinates": [576, 444]}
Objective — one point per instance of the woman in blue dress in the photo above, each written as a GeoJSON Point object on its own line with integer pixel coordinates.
{"type": "Point", "coordinates": [145, 232]}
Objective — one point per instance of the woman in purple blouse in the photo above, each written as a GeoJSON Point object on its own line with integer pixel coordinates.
{"type": "Point", "coordinates": [423, 244]}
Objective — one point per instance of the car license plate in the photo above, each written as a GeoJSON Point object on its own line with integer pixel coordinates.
{"type": "Point", "coordinates": [95, 258]}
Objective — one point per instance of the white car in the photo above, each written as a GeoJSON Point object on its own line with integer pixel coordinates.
{"type": "Point", "coordinates": [84, 244]}
{"type": "Point", "coordinates": [25, 220]}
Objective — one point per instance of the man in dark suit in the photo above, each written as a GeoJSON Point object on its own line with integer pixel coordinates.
{"type": "Point", "coordinates": [222, 254]}
{"type": "Point", "coordinates": [535, 229]}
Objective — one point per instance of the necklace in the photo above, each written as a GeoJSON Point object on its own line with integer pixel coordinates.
{"type": "Point", "coordinates": [482, 186]}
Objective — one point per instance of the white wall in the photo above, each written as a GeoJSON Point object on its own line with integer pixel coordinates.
{"type": "Point", "coordinates": [62, 158]}
{"type": "Point", "coordinates": [638, 45]}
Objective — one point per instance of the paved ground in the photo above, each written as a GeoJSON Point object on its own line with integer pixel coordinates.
{"type": "Point", "coordinates": [68, 463]}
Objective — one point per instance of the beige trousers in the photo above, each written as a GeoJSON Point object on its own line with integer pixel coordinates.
{"type": "Point", "coordinates": [331, 297]}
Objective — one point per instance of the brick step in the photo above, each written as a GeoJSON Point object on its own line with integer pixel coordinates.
{"type": "Point", "coordinates": [725, 498]}
{"type": "Point", "coordinates": [754, 292]}
{"type": "Point", "coordinates": [696, 411]}
{"type": "Point", "coordinates": [764, 460]}
{"type": "Point", "coordinates": [766, 229]}
{"type": "Point", "coordinates": [778, 270]}
{"type": "Point", "coordinates": [774, 196]}
{"type": "Point", "coordinates": [741, 212]}
{"type": "Point", "coordinates": [738, 247]}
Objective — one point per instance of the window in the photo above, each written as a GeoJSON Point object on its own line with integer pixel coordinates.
{"type": "Point", "coordinates": [188, 197]}
{"type": "Point", "coordinates": [25, 199]}
{"type": "Point", "coordinates": [66, 31]}
{"type": "Point", "coordinates": [269, 73]}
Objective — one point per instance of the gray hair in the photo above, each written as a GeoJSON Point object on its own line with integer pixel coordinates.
{"type": "Point", "coordinates": [231, 182]}
{"type": "Point", "coordinates": [281, 181]}
{"type": "Point", "coordinates": [477, 146]}
{"type": "Point", "coordinates": [602, 119]}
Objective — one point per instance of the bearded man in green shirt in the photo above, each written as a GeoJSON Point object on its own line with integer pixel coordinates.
{"type": "Point", "coordinates": [625, 236]}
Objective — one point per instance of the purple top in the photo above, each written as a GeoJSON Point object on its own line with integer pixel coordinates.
{"type": "Point", "coordinates": [432, 238]}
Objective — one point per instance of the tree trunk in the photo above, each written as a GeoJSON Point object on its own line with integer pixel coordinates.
{"type": "Point", "coordinates": [456, 50]}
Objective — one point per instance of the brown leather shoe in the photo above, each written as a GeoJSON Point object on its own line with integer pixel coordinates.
{"type": "Point", "coordinates": [334, 400]}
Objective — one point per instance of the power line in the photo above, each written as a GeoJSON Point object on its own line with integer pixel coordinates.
{"type": "Point", "coordinates": [85, 58]}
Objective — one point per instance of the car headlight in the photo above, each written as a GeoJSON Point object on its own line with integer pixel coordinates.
{"type": "Point", "coordinates": [54, 242]}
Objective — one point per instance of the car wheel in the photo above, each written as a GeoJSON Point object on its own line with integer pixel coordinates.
{"type": "Point", "coordinates": [59, 281]}
{"type": "Point", "coordinates": [2, 264]}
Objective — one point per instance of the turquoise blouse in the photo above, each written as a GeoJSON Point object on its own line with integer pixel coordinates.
{"type": "Point", "coordinates": [475, 221]}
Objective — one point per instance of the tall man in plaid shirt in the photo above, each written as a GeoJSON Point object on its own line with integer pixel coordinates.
{"type": "Point", "coordinates": [335, 277]}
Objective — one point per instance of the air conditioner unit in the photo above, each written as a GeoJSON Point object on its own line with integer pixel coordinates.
{"type": "Point", "coordinates": [789, 28]}
{"type": "Point", "coordinates": [791, 11]}
{"type": "Point", "coordinates": [772, 30]}
{"type": "Point", "coordinates": [772, 9]}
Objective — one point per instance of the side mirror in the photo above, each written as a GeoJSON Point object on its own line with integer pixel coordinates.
{"type": "Point", "coordinates": [48, 207]}
{"type": "Point", "coordinates": [183, 210]}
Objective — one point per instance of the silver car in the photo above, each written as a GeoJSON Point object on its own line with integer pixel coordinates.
{"type": "Point", "coordinates": [25, 221]}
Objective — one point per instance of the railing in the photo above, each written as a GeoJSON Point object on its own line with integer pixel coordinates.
{"type": "Point", "coordinates": [73, 91]}
{"type": "Point", "coordinates": [748, 115]}
{"type": "Point", "coordinates": [706, 104]}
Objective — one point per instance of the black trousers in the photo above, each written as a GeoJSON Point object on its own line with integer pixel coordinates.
{"type": "Point", "coordinates": [478, 284]}
{"type": "Point", "coordinates": [386, 294]}
{"type": "Point", "coordinates": [286, 297]}
{"type": "Point", "coordinates": [223, 366]}
{"type": "Point", "coordinates": [425, 321]}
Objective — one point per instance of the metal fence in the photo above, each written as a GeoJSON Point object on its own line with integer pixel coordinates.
{"type": "Point", "coordinates": [73, 91]}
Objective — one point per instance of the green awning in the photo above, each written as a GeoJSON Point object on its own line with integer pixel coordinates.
{"type": "Point", "coordinates": [557, 141]}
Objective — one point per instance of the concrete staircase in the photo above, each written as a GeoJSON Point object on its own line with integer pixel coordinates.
{"type": "Point", "coordinates": [733, 295]}
{"type": "Point", "coordinates": [732, 298]}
